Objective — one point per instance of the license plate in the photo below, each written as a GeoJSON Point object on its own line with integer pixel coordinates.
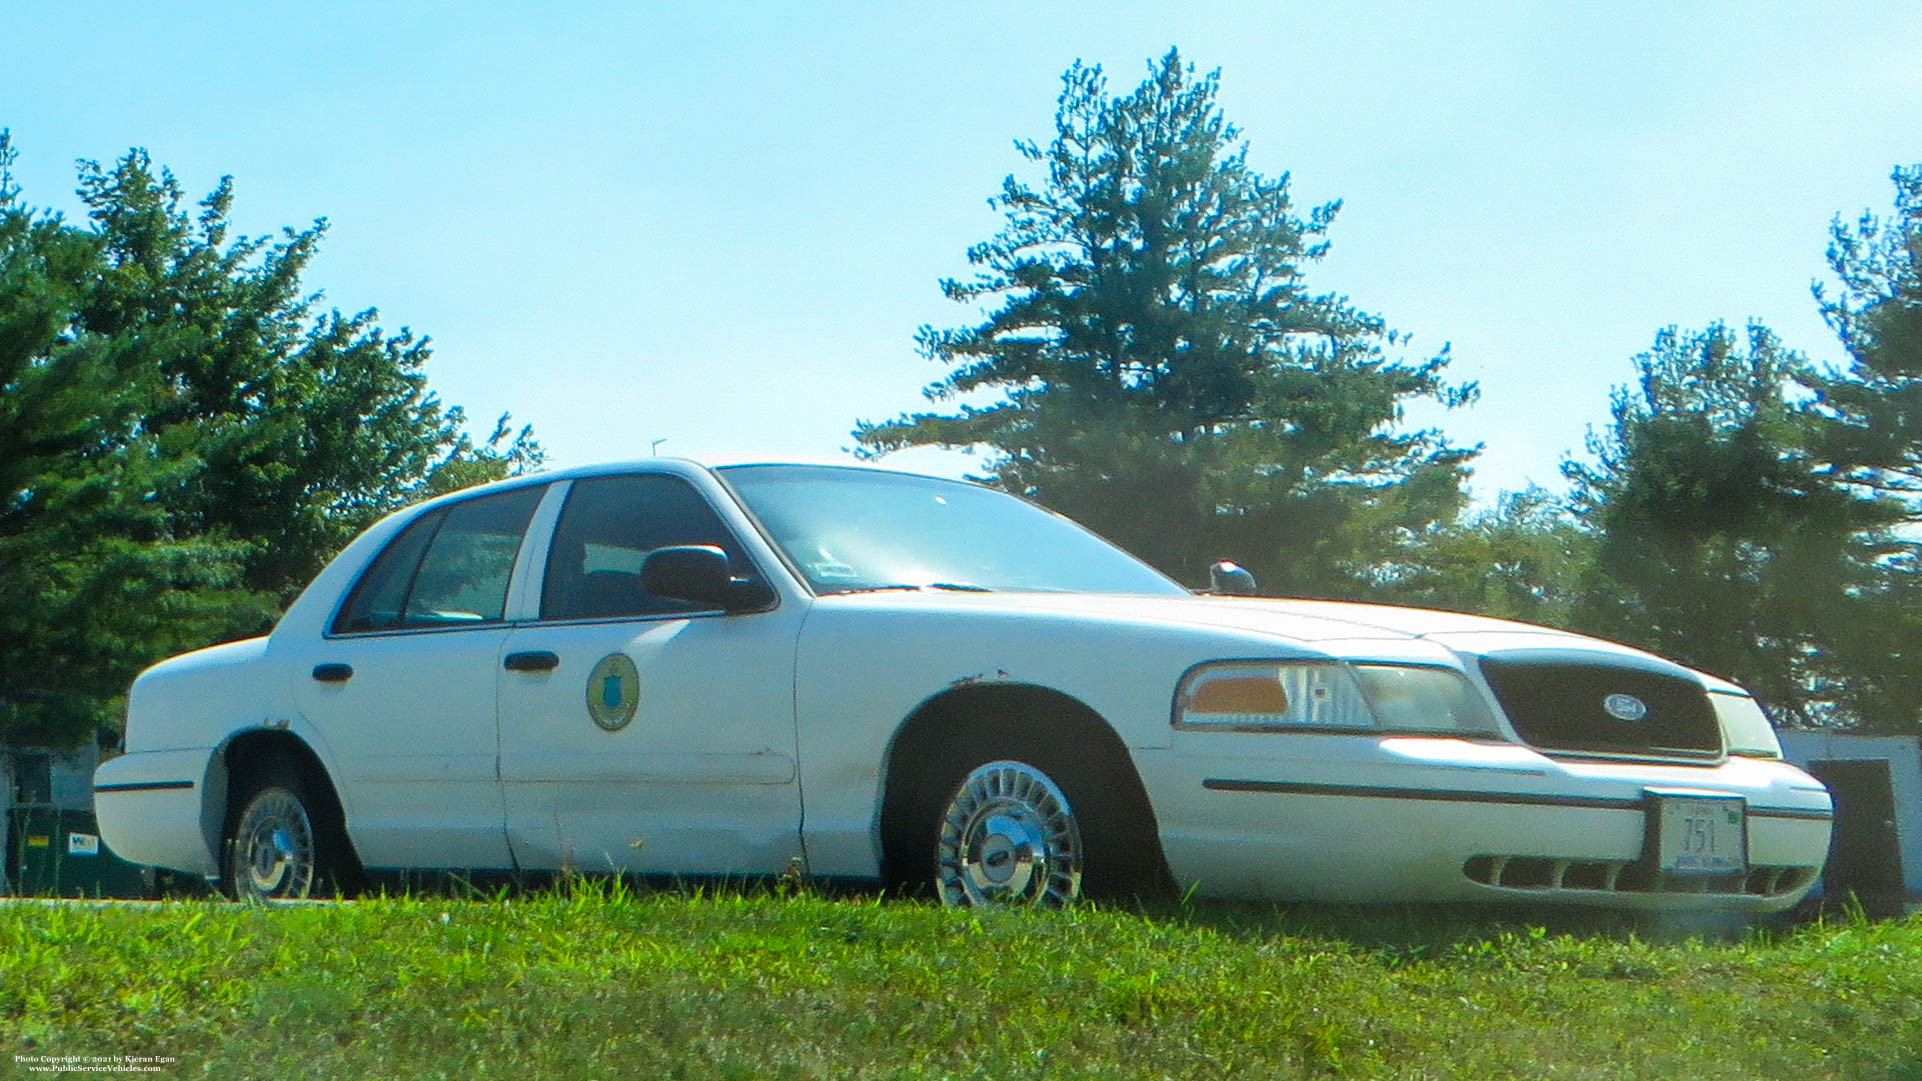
{"type": "Point", "coordinates": [1701, 835]}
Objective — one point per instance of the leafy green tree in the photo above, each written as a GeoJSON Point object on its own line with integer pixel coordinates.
{"type": "Point", "coordinates": [90, 571]}
{"type": "Point", "coordinates": [1155, 365]}
{"type": "Point", "coordinates": [1720, 541]}
{"type": "Point", "coordinates": [1525, 558]}
{"type": "Point", "coordinates": [1876, 655]}
{"type": "Point", "coordinates": [308, 425]}
{"type": "Point", "coordinates": [184, 439]}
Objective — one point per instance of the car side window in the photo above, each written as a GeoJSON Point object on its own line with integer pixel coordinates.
{"type": "Point", "coordinates": [449, 568]}
{"type": "Point", "coordinates": [606, 531]}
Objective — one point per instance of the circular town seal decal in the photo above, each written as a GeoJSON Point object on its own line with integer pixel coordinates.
{"type": "Point", "coordinates": [613, 692]}
{"type": "Point", "coordinates": [1625, 707]}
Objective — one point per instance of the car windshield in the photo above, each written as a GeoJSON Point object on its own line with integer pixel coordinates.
{"type": "Point", "coordinates": [853, 530]}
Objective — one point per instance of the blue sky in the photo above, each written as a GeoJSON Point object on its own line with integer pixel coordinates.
{"type": "Point", "coordinates": [718, 225]}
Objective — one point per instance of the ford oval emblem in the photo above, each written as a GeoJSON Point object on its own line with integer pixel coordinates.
{"type": "Point", "coordinates": [1625, 707]}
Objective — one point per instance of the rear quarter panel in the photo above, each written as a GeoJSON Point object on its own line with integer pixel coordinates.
{"type": "Point", "coordinates": [163, 802]}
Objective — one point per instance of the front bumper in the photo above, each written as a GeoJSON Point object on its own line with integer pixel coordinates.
{"type": "Point", "coordinates": [1389, 820]}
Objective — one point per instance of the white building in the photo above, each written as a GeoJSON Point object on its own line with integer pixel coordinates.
{"type": "Point", "coordinates": [1877, 783]}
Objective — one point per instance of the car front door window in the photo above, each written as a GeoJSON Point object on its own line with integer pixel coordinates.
{"type": "Point", "coordinates": [607, 530]}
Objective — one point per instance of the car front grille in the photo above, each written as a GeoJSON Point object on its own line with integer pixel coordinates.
{"type": "Point", "coordinates": [1604, 703]}
{"type": "Point", "coordinates": [1546, 874]}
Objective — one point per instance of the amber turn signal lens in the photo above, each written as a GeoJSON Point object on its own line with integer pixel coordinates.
{"type": "Point", "coordinates": [1239, 694]}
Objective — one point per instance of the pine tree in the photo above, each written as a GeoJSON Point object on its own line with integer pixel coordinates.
{"type": "Point", "coordinates": [1871, 439]}
{"type": "Point", "coordinates": [1874, 439]}
{"type": "Point", "coordinates": [1155, 365]}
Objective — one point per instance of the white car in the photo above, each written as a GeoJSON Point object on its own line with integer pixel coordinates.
{"type": "Point", "coordinates": [658, 667]}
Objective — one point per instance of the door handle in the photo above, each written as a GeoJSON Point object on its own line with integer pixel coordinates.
{"type": "Point", "coordinates": [533, 660]}
{"type": "Point", "coordinates": [333, 673]}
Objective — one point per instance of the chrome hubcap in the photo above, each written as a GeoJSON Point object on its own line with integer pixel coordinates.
{"type": "Point", "coordinates": [1008, 837]}
{"type": "Point", "coordinates": [276, 847]}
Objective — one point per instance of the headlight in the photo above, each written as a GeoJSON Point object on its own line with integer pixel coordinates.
{"type": "Point", "coordinates": [1745, 728]}
{"type": "Point", "coordinates": [1434, 701]}
{"type": "Point", "coordinates": [1330, 695]}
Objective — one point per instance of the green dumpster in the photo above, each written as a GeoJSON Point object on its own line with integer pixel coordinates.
{"type": "Point", "coordinates": [52, 853]}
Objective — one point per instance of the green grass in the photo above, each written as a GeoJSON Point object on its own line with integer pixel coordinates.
{"type": "Point", "coordinates": [597, 982]}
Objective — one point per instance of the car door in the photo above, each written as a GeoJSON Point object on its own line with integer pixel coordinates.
{"type": "Point", "coordinates": [403, 687]}
{"type": "Point", "coordinates": [640, 733]}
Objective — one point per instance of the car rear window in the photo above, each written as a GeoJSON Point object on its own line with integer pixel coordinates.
{"type": "Point", "coordinates": [449, 568]}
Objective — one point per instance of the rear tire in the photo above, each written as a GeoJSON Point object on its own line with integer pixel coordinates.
{"type": "Point", "coordinates": [275, 850]}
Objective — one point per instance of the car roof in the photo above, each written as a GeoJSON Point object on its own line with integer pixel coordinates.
{"type": "Point", "coordinates": [680, 466]}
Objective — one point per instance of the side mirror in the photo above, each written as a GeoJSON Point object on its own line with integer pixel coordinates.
{"type": "Point", "coordinates": [699, 573]}
{"type": "Point", "coordinates": [1231, 579]}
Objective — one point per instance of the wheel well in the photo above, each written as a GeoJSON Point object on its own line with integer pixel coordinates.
{"type": "Point", "coordinates": [998, 714]}
{"type": "Point", "coordinates": [249, 754]}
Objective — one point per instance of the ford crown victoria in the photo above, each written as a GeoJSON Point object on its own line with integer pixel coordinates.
{"type": "Point", "coordinates": [660, 668]}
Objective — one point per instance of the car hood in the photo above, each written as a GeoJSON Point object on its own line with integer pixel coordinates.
{"type": "Point", "coordinates": [1301, 621]}
{"type": "Point", "coordinates": [1311, 624]}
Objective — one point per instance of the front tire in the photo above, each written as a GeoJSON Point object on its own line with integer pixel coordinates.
{"type": "Point", "coordinates": [274, 849]}
{"type": "Point", "coordinates": [1007, 836]}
